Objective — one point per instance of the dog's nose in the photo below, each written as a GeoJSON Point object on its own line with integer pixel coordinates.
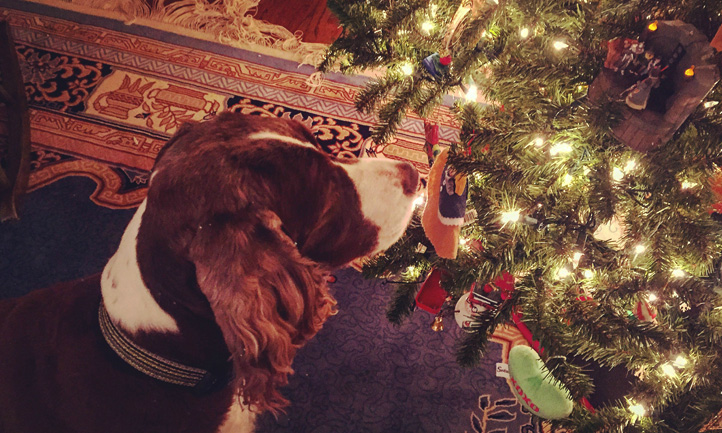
{"type": "Point", "coordinates": [409, 178]}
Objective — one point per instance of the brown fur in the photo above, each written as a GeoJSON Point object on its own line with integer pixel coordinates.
{"type": "Point", "coordinates": [236, 243]}
{"type": "Point", "coordinates": [281, 302]}
{"type": "Point", "coordinates": [262, 250]}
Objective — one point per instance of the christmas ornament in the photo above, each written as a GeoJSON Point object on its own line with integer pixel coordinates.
{"type": "Point", "coordinates": [612, 231]}
{"type": "Point", "coordinates": [431, 141]}
{"type": "Point", "coordinates": [466, 310]}
{"type": "Point", "coordinates": [524, 330]}
{"type": "Point", "coordinates": [492, 294]}
{"type": "Point", "coordinates": [481, 298]}
{"type": "Point", "coordinates": [467, 11]}
{"type": "Point", "coordinates": [445, 207]}
{"type": "Point", "coordinates": [610, 384]}
{"type": "Point", "coordinates": [649, 75]}
{"type": "Point", "coordinates": [535, 388]}
{"type": "Point", "coordinates": [436, 65]}
{"type": "Point", "coordinates": [452, 198]}
{"type": "Point", "coordinates": [431, 295]}
{"type": "Point", "coordinates": [638, 94]}
{"type": "Point", "coordinates": [645, 312]}
{"type": "Point", "coordinates": [438, 324]}
{"type": "Point", "coordinates": [621, 52]}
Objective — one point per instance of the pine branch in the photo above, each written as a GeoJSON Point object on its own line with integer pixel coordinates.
{"type": "Point", "coordinates": [402, 303]}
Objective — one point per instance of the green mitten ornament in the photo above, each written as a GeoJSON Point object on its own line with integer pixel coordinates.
{"type": "Point", "coordinates": [536, 389]}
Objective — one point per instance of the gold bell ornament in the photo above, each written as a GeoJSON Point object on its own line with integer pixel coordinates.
{"type": "Point", "coordinates": [438, 324]}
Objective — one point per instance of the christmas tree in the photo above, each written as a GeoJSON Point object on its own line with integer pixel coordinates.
{"type": "Point", "coordinates": [586, 174]}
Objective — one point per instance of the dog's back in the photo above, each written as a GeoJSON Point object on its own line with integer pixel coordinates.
{"type": "Point", "coordinates": [57, 374]}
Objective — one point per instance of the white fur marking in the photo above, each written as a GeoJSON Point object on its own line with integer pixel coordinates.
{"type": "Point", "coordinates": [269, 135]}
{"type": "Point", "coordinates": [127, 299]}
{"type": "Point", "coordinates": [379, 186]}
{"type": "Point", "coordinates": [239, 419]}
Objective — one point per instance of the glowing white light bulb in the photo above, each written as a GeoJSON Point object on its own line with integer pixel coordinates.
{"type": "Point", "coordinates": [669, 370]}
{"type": "Point", "coordinates": [639, 249]}
{"type": "Point", "coordinates": [617, 174]}
{"type": "Point", "coordinates": [567, 180]}
{"type": "Point", "coordinates": [561, 147]}
{"type": "Point", "coordinates": [463, 241]}
{"type": "Point", "coordinates": [630, 166]}
{"type": "Point", "coordinates": [524, 32]}
{"type": "Point", "coordinates": [563, 273]}
{"type": "Point", "coordinates": [538, 142]}
{"type": "Point", "coordinates": [472, 93]}
{"type": "Point", "coordinates": [651, 297]}
{"type": "Point", "coordinates": [510, 216]}
{"type": "Point", "coordinates": [678, 273]}
{"type": "Point", "coordinates": [588, 274]}
{"type": "Point", "coordinates": [560, 45]}
{"type": "Point", "coordinates": [710, 104]}
{"type": "Point", "coordinates": [407, 68]}
{"type": "Point", "coordinates": [687, 184]}
{"type": "Point", "coordinates": [680, 362]}
{"type": "Point", "coordinates": [427, 26]}
{"type": "Point", "coordinates": [637, 409]}
{"type": "Point", "coordinates": [577, 256]}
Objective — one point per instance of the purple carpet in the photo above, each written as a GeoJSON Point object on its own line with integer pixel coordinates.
{"type": "Point", "coordinates": [363, 374]}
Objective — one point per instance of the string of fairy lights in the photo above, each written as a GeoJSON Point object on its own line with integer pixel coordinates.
{"type": "Point", "coordinates": [677, 365]}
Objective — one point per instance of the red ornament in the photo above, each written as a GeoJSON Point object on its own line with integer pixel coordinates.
{"type": "Point", "coordinates": [446, 60]}
{"type": "Point", "coordinates": [645, 312]}
{"type": "Point", "coordinates": [431, 141]}
{"type": "Point", "coordinates": [491, 295]}
{"type": "Point", "coordinates": [432, 296]}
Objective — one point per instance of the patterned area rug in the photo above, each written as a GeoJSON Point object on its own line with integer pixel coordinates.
{"type": "Point", "coordinates": [103, 102]}
{"type": "Point", "coordinates": [105, 97]}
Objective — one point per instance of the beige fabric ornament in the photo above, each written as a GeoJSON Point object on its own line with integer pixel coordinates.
{"type": "Point", "coordinates": [611, 231]}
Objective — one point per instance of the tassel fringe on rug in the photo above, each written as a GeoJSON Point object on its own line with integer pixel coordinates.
{"type": "Point", "coordinates": [230, 22]}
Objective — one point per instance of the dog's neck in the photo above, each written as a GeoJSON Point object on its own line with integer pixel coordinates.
{"type": "Point", "coordinates": [148, 295]}
{"type": "Point", "coordinates": [133, 308]}
{"type": "Point", "coordinates": [126, 297]}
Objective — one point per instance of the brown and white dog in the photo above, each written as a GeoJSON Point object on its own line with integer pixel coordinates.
{"type": "Point", "coordinates": [219, 278]}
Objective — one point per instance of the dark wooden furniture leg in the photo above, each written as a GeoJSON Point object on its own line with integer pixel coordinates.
{"type": "Point", "coordinates": [14, 174]}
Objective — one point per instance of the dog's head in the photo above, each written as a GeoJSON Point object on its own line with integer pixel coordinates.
{"type": "Point", "coordinates": [261, 215]}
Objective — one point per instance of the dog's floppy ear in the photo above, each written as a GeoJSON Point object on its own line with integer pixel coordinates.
{"type": "Point", "coordinates": [267, 299]}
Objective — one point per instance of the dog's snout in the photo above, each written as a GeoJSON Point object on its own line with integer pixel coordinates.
{"type": "Point", "coordinates": [409, 178]}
